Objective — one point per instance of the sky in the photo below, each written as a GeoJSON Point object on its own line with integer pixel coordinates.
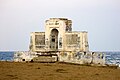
{"type": "Point", "coordinates": [101, 18]}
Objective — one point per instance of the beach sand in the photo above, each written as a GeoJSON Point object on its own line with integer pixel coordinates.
{"type": "Point", "coordinates": [55, 71]}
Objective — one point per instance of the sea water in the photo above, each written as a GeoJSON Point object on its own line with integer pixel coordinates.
{"type": "Point", "coordinates": [6, 55]}
{"type": "Point", "coordinates": [111, 57]}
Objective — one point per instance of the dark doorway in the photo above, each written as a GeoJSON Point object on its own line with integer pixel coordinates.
{"type": "Point", "coordinates": [54, 39]}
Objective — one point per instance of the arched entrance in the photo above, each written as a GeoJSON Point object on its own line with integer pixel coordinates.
{"type": "Point", "coordinates": [54, 39]}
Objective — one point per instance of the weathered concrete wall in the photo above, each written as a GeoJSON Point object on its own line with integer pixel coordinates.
{"type": "Point", "coordinates": [37, 41]}
{"type": "Point", "coordinates": [23, 56]}
{"type": "Point", "coordinates": [98, 58]}
{"type": "Point", "coordinates": [60, 25]}
{"type": "Point", "coordinates": [76, 41]}
{"type": "Point", "coordinates": [69, 57]}
{"type": "Point", "coordinates": [82, 57]}
{"type": "Point", "coordinates": [45, 59]}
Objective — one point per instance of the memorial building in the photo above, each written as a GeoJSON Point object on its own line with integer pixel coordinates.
{"type": "Point", "coordinates": [58, 37]}
{"type": "Point", "coordinates": [60, 43]}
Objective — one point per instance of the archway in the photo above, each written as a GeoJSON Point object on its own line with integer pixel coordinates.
{"type": "Point", "coordinates": [54, 39]}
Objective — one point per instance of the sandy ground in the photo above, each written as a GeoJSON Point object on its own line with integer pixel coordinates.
{"type": "Point", "coordinates": [55, 71]}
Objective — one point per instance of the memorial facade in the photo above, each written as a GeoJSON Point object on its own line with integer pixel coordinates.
{"type": "Point", "coordinates": [58, 36]}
